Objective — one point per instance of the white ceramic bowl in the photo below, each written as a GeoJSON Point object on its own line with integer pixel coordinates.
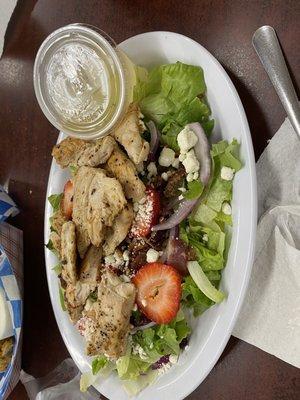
{"type": "Point", "coordinates": [212, 330]}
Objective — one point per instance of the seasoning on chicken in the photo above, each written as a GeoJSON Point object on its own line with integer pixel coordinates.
{"type": "Point", "coordinates": [68, 253]}
{"type": "Point", "coordinates": [118, 232]}
{"type": "Point", "coordinates": [128, 134]}
{"type": "Point", "coordinates": [67, 150]}
{"type": "Point", "coordinates": [98, 199]}
{"type": "Point", "coordinates": [57, 220]}
{"type": "Point", "coordinates": [90, 268]}
{"type": "Point", "coordinates": [124, 170]}
{"type": "Point", "coordinates": [96, 153]}
{"type": "Point", "coordinates": [106, 321]}
{"type": "Point", "coordinates": [79, 152]}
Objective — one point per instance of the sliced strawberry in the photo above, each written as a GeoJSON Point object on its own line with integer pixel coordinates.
{"type": "Point", "coordinates": [158, 292]}
{"type": "Point", "coordinates": [67, 200]}
{"type": "Point", "coordinates": [147, 214]}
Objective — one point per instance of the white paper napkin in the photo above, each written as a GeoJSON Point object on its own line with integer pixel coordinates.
{"type": "Point", "coordinates": [6, 9]}
{"type": "Point", "coordinates": [270, 316]}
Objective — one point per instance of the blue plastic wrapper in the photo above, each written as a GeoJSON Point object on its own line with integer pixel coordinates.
{"type": "Point", "coordinates": [11, 281]}
{"type": "Point", "coordinates": [8, 207]}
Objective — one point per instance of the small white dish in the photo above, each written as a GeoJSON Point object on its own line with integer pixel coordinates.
{"type": "Point", "coordinates": [212, 330]}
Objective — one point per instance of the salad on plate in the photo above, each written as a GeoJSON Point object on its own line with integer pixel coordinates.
{"type": "Point", "coordinates": [142, 228]}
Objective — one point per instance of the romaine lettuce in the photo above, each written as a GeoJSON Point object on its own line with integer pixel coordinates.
{"type": "Point", "coordinates": [55, 200]}
{"type": "Point", "coordinates": [172, 96]}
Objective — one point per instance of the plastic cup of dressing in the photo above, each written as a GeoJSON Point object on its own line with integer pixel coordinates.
{"type": "Point", "coordinates": [82, 81]}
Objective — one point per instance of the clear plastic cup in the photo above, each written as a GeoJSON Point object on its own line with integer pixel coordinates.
{"type": "Point", "coordinates": [82, 81]}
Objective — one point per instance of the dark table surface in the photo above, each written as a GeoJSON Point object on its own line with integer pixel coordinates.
{"type": "Point", "coordinates": [26, 138]}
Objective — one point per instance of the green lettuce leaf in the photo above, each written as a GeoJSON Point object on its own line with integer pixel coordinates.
{"type": "Point", "coordinates": [134, 387]}
{"type": "Point", "coordinates": [57, 268]}
{"type": "Point", "coordinates": [227, 154]}
{"type": "Point", "coordinates": [172, 96]}
{"type": "Point", "coordinates": [154, 343]}
{"type": "Point", "coordinates": [182, 82]}
{"type": "Point", "coordinates": [204, 283]}
{"type": "Point", "coordinates": [55, 200]}
{"type": "Point", "coordinates": [208, 259]}
{"type": "Point", "coordinates": [192, 297]}
{"type": "Point", "coordinates": [62, 297]}
{"type": "Point", "coordinates": [99, 363]}
{"type": "Point", "coordinates": [195, 189]}
{"type": "Point", "coordinates": [219, 192]}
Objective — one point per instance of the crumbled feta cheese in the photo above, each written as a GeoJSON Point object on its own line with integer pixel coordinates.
{"type": "Point", "coordinates": [173, 359]}
{"type": "Point", "coordinates": [226, 208]}
{"type": "Point", "coordinates": [152, 255]}
{"type": "Point", "coordinates": [191, 164]}
{"type": "Point", "coordinates": [126, 255]}
{"type": "Point", "coordinates": [138, 350]}
{"type": "Point", "coordinates": [109, 260]}
{"type": "Point", "coordinates": [190, 177]}
{"type": "Point", "coordinates": [227, 173]}
{"type": "Point", "coordinates": [164, 368]}
{"type": "Point", "coordinates": [142, 215]}
{"type": "Point", "coordinates": [175, 163]}
{"type": "Point", "coordinates": [205, 238]}
{"type": "Point", "coordinates": [115, 260]}
{"type": "Point", "coordinates": [196, 175]}
{"type": "Point", "coordinates": [167, 157]}
{"type": "Point", "coordinates": [165, 176]}
{"type": "Point", "coordinates": [144, 303]}
{"type": "Point", "coordinates": [186, 139]}
{"type": "Point", "coordinates": [143, 200]}
{"type": "Point", "coordinates": [180, 197]}
{"type": "Point", "coordinates": [134, 308]}
{"type": "Point", "coordinates": [182, 189]}
{"type": "Point", "coordinates": [182, 156]}
{"type": "Point", "coordinates": [152, 170]}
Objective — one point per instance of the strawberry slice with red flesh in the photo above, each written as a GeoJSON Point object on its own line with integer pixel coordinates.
{"type": "Point", "coordinates": [147, 214]}
{"type": "Point", "coordinates": [158, 292]}
{"type": "Point", "coordinates": [67, 200]}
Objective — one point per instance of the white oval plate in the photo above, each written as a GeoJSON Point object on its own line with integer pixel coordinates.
{"type": "Point", "coordinates": [212, 330]}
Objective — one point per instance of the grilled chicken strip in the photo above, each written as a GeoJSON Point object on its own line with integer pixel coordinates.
{"type": "Point", "coordinates": [98, 199]}
{"type": "Point", "coordinates": [68, 253]}
{"type": "Point", "coordinates": [107, 320]}
{"type": "Point", "coordinates": [124, 170]}
{"type": "Point", "coordinates": [67, 150]}
{"type": "Point", "coordinates": [77, 291]}
{"type": "Point", "coordinates": [90, 268]}
{"type": "Point", "coordinates": [71, 151]}
{"type": "Point", "coordinates": [82, 184]}
{"type": "Point", "coordinates": [128, 134]}
{"type": "Point", "coordinates": [97, 152]}
{"type": "Point", "coordinates": [118, 232]}
{"type": "Point", "coordinates": [57, 220]}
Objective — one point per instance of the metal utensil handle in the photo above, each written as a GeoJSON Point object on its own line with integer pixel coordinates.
{"type": "Point", "coordinates": [269, 51]}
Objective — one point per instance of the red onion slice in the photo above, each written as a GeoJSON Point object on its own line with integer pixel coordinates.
{"type": "Point", "coordinates": [202, 151]}
{"type": "Point", "coordinates": [176, 252]}
{"type": "Point", "coordinates": [183, 211]}
{"type": "Point", "coordinates": [155, 139]}
{"type": "Point", "coordinates": [143, 327]}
